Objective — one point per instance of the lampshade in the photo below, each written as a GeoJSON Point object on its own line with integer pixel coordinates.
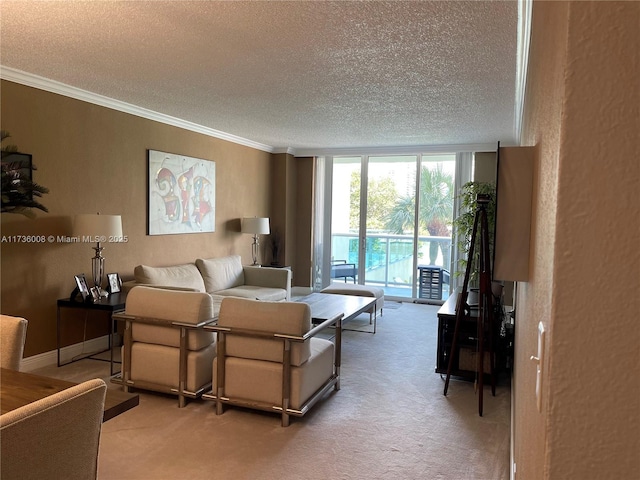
{"type": "Point", "coordinates": [101, 228]}
{"type": "Point", "coordinates": [255, 225]}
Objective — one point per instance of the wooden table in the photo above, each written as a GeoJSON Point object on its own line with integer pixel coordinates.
{"type": "Point", "coordinates": [327, 305]}
{"type": "Point", "coordinates": [19, 388]}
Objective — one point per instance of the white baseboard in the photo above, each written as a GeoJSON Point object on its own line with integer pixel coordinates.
{"type": "Point", "coordinates": [48, 359]}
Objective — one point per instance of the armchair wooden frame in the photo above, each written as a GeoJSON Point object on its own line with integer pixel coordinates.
{"type": "Point", "coordinates": [124, 378]}
{"type": "Point", "coordinates": [287, 340]}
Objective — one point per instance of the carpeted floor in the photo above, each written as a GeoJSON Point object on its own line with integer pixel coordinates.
{"type": "Point", "coordinates": [389, 420]}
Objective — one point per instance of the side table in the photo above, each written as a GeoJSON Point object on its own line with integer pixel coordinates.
{"type": "Point", "coordinates": [114, 303]}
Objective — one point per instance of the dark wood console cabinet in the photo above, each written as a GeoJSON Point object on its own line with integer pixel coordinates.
{"type": "Point", "coordinates": [465, 355]}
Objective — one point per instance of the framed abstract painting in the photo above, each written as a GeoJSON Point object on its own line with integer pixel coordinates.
{"type": "Point", "coordinates": [181, 194]}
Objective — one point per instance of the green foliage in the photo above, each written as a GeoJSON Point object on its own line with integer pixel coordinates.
{"type": "Point", "coordinates": [436, 205]}
{"type": "Point", "coordinates": [381, 197]}
{"type": "Point", "coordinates": [354, 201]}
{"type": "Point", "coordinates": [402, 216]}
{"type": "Point", "coordinates": [7, 148]}
{"type": "Point", "coordinates": [18, 192]}
{"type": "Point", "coordinates": [389, 212]}
{"type": "Point", "coordinates": [463, 224]}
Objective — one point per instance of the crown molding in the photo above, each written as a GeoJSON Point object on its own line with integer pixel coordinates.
{"type": "Point", "coordinates": [399, 150]}
{"type": "Point", "coordinates": [41, 83]}
{"type": "Point", "coordinates": [522, 56]}
{"type": "Point", "coordinates": [287, 150]}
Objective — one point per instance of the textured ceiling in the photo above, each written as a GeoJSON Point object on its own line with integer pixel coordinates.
{"type": "Point", "coordinates": [298, 75]}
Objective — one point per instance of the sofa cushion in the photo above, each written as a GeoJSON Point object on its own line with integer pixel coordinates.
{"type": "Point", "coordinates": [186, 276]}
{"type": "Point", "coordinates": [170, 305]}
{"type": "Point", "coordinates": [161, 365]}
{"type": "Point", "coordinates": [262, 381]}
{"type": "Point", "coordinates": [221, 273]}
{"type": "Point", "coordinates": [255, 293]}
{"type": "Point", "coordinates": [170, 337]}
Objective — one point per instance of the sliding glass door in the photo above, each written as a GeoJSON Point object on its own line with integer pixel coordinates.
{"type": "Point", "coordinates": [434, 227]}
{"type": "Point", "coordinates": [391, 221]}
{"type": "Point", "coordinates": [345, 218]}
{"type": "Point", "coordinates": [390, 214]}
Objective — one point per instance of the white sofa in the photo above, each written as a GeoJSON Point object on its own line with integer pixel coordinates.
{"type": "Point", "coordinates": [220, 277]}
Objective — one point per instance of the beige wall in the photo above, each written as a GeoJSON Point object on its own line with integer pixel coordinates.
{"type": "Point", "coordinates": [304, 221]}
{"type": "Point", "coordinates": [94, 159]}
{"type": "Point", "coordinates": [292, 204]}
{"type": "Point", "coordinates": [581, 115]}
{"type": "Point", "coordinates": [278, 202]}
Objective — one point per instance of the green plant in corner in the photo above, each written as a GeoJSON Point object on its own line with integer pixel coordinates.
{"type": "Point", "coordinates": [463, 225]}
{"type": "Point", "coordinates": [18, 192]}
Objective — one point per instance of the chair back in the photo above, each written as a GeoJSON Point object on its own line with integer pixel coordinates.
{"type": "Point", "coordinates": [13, 333]}
{"type": "Point", "coordinates": [55, 437]}
{"type": "Point", "coordinates": [172, 306]}
{"type": "Point", "coordinates": [285, 318]}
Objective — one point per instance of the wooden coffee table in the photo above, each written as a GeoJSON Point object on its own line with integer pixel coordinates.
{"type": "Point", "coordinates": [328, 305]}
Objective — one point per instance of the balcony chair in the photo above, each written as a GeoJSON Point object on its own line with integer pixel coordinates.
{"type": "Point", "coordinates": [55, 437]}
{"type": "Point", "coordinates": [165, 348]}
{"type": "Point", "coordinates": [342, 269]}
{"type": "Point", "coordinates": [13, 332]}
{"type": "Point", "coordinates": [268, 357]}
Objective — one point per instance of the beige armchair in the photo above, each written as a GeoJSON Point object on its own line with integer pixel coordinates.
{"type": "Point", "coordinates": [13, 333]}
{"type": "Point", "coordinates": [165, 348]}
{"type": "Point", "coordinates": [56, 437]}
{"type": "Point", "coordinates": [269, 358]}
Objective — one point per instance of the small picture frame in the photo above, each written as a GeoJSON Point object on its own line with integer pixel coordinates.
{"type": "Point", "coordinates": [115, 283]}
{"type": "Point", "coordinates": [95, 294]}
{"type": "Point", "coordinates": [81, 284]}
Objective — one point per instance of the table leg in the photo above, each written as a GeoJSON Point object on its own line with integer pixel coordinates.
{"type": "Point", "coordinates": [58, 333]}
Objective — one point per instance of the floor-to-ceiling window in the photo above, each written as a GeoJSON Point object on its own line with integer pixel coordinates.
{"type": "Point", "coordinates": [391, 221]}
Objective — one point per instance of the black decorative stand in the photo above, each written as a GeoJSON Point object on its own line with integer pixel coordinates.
{"type": "Point", "coordinates": [485, 304]}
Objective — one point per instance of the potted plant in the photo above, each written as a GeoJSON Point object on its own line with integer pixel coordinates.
{"type": "Point", "coordinates": [19, 192]}
{"type": "Point", "coordinates": [463, 225]}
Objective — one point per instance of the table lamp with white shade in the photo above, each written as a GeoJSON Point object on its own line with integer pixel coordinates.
{"type": "Point", "coordinates": [99, 229]}
{"type": "Point", "coordinates": [255, 226]}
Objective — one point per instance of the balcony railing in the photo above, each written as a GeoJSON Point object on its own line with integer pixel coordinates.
{"type": "Point", "coordinates": [389, 259]}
